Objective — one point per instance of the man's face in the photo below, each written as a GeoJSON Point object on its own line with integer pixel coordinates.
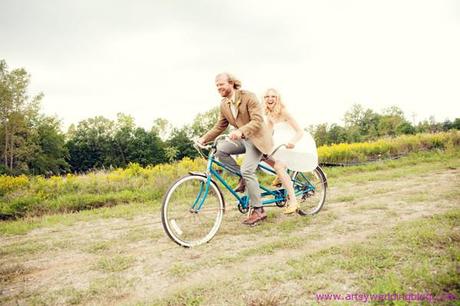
{"type": "Point", "coordinates": [223, 86]}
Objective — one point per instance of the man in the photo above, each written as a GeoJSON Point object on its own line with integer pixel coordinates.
{"type": "Point", "coordinates": [241, 109]}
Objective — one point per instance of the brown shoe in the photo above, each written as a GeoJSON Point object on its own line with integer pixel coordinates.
{"type": "Point", "coordinates": [258, 214]}
{"type": "Point", "coordinates": [241, 186]}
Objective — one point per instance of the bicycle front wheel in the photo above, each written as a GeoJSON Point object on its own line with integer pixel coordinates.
{"type": "Point", "coordinates": [310, 189]}
{"type": "Point", "coordinates": [192, 210]}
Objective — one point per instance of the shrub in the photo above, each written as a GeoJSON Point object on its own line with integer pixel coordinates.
{"type": "Point", "coordinates": [387, 147]}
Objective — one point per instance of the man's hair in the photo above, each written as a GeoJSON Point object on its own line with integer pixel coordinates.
{"type": "Point", "coordinates": [231, 79]}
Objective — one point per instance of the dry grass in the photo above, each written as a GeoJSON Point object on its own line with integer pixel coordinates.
{"type": "Point", "coordinates": [398, 238]}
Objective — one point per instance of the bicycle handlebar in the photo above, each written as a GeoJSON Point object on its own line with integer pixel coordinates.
{"type": "Point", "coordinates": [276, 149]}
{"type": "Point", "coordinates": [209, 144]}
{"type": "Point", "coordinates": [199, 146]}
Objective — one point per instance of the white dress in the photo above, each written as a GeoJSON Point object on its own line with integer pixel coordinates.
{"type": "Point", "coordinates": [303, 157]}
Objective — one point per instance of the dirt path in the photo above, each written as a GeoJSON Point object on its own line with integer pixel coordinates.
{"type": "Point", "coordinates": [128, 261]}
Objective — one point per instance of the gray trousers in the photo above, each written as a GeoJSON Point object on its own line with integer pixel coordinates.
{"type": "Point", "coordinates": [248, 168]}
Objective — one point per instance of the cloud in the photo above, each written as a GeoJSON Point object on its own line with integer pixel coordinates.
{"type": "Point", "coordinates": [159, 58]}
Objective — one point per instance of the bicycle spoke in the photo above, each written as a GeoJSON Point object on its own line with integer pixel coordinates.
{"type": "Point", "coordinates": [192, 214]}
{"type": "Point", "coordinates": [310, 191]}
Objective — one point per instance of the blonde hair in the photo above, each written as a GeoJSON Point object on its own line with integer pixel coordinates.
{"type": "Point", "coordinates": [231, 79]}
{"type": "Point", "coordinates": [279, 107]}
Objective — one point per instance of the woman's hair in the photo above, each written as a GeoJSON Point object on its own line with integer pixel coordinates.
{"type": "Point", "coordinates": [277, 110]}
{"type": "Point", "coordinates": [231, 79]}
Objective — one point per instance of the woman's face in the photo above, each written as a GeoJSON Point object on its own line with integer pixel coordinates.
{"type": "Point", "coordinates": [271, 98]}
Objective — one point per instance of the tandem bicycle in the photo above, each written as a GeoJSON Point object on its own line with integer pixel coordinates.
{"type": "Point", "coordinates": [194, 205]}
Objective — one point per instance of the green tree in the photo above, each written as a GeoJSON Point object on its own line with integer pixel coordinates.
{"type": "Point", "coordinates": [123, 137]}
{"type": "Point", "coordinates": [337, 134]}
{"type": "Point", "coordinates": [456, 124]}
{"type": "Point", "coordinates": [135, 144]}
{"type": "Point", "coordinates": [405, 128]}
{"type": "Point", "coordinates": [428, 126]}
{"type": "Point", "coordinates": [181, 141]}
{"type": "Point", "coordinates": [361, 124]}
{"type": "Point", "coordinates": [354, 116]}
{"type": "Point", "coordinates": [90, 144]}
{"type": "Point", "coordinates": [319, 133]}
{"type": "Point", "coordinates": [171, 153]}
{"type": "Point", "coordinates": [101, 143]}
{"type": "Point", "coordinates": [146, 148]}
{"type": "Point", "coordinates": [50, 158]}
{"type": "Point", "coordinates": [203, 122]}
{"type": "Point", "coordinates": [162, 127]}
{"type": "Point", "coordinates": [392, 123]}
{"type": "Point", "coordinates": [17, 113]}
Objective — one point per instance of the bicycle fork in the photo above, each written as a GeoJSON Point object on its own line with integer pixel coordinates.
{"type": "Point", "coordinates": [202, 194]}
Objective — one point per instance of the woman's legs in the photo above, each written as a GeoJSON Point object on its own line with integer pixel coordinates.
{"type": "Point", "coordinates": [280, 169]}
{"type": "Point", "coordinates": [281, 172]}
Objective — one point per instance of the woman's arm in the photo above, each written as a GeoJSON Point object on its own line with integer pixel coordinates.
{"type": "Point", "coordinates": [298, 130]}
{"type": "Point", "coordinates": [269, 123]}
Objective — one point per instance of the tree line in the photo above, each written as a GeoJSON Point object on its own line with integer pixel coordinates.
{"type": "Point", "coordinates": [363, 124]}
{"type": "Point", "coordinates": [33, 143]}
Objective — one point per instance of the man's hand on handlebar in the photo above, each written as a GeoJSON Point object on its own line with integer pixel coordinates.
{"type": "Point", "coordinates": [201, 144]}
{"type": "Point", "coordinates": [200, 141]}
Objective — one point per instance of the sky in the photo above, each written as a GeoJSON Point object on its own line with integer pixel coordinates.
{"type": "Point", "coordinates": [158, 59]}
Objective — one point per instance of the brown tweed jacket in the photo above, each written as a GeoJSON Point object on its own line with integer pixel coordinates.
{"type": "Point", "coordinates": [249, 121]}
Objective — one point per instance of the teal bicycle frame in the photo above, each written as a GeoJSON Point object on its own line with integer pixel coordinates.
{"type": "Point", "coordinates": [275, 196]}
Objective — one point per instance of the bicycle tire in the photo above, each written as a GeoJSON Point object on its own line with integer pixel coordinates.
{"type": "Point", "coordinates": [311, 190]}
{"type": "Point", "coordinates": [177, 204]}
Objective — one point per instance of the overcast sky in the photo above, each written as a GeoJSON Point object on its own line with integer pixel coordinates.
{"type": "Point", "coordinates": [154, 59]}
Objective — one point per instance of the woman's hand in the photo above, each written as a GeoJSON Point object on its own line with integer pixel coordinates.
{"type": "Point", "coordinates": [290, 145]}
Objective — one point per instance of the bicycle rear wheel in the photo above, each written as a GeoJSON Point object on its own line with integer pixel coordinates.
{"type": "Point", "coordinates": [192, 211]}
{"type": "Point", "coordinates": [310, 189]}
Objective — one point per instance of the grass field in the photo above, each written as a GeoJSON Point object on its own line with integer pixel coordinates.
{"type": "Point", "coordinates": [387, 227]}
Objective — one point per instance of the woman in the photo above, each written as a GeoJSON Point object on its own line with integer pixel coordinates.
{"type": "Point", "coordinates": [286, 131]}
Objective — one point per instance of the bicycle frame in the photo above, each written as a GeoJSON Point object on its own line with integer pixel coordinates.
{"type": "Point", "coordinates": [277, 196]}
